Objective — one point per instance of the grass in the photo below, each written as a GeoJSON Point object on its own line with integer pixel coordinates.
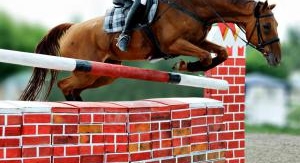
{"type": "Point", "coordinates": [270, 129]}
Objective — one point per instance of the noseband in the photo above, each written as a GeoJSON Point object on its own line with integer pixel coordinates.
{"type": "Point", "coordinates": [261, 42]}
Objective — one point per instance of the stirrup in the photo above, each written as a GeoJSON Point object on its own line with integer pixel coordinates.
{"type": "Point", "coordinates": [123, 42]}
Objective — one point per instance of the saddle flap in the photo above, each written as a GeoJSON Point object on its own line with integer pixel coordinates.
{"type": "Point", "coordinates": [115, 16]}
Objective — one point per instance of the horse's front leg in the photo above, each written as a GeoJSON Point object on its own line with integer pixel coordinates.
{"type": "Point", "coordinates": [221, 55]}
{"type": "Point", "coordinates": [186, 48]}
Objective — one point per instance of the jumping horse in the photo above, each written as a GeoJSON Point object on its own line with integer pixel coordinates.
{"type": "Point", "coordinates": [181, 27]}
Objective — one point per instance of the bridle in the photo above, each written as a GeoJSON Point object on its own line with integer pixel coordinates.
{"type": "Point", "coordinates": [261, 42]}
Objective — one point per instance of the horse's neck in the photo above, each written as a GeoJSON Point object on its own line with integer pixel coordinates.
{"type": "Point", "coordinates": [232, 12]}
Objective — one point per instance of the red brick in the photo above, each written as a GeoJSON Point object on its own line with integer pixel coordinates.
{"type": "Point", "coordinates": [65, 139]}
{"type": "Point", "coordinates": [212, 137]}
{"type": "Point", "coordinates": [114, 128]}
{"type": "Point", "coordinates": [233, 144]}
{"type": "Point", "coordinates": [13, 152]}
{"type": "Point", "coordinates": [223, 71]}
{"type": "Point", "coordinates": [217, 145]}
{"type": "Point", "coordinates": [181, 114]}
{"type": "Point", "coordinates": [234, 126]}
{"type": "Point", "coordinates": [65, 119]}
{"type": "Point", "coordinates": [199, 121]}
{"type": "Point", "coordinates": [58, 151]}
{"type": "Point", "coordinates": [98, 118]}
{"type": "Point", "coordinates": [199, 139]}
{"type": "Point", "coordinates": [115, 118]}
{"type": "Point", "coordinates": [37, 118]}
{"type": "Point", "coordinates": [37, 160]}
{"type": "Point", "coordinates": [122, 139]}
{"type": "Point", "coordinates": [164, 126]}
{"type": "Point", "coordinates": [12, 131]}
{"type": "Point", "coordinates": [44, 129]}
{"type": "Point", "coordinates": [226, 136]}
{"type": "Point", "coordinates": [85, 118]}
{"type": "Point", "coordinates": [140, 156]}
{"type": "Point", "coordinates": [57, 129]}
{"type": "Point", "coordinates": [2, 119]}
{"type": "Point", "coordinates": [98, 149]}
{"type": "Point", "coordinates": [145, 137]}
{"type": "Point", "coordinates": [173, 160]}
{"type": "Point", "coordinates": [66, 160]}
{"type": "Point", "coordinates": [215, 111]}
{"type": "Point", "coordinates": [239, 117]}
{"type": "Point", "coordinates": [9, 142]}
{"type": "Point", "coordinates": [162, 153]}
{"type": "Point", "coordinates": [216, 127]}
{"type": "Point", "coordinates": [12, 161]}
{"type": "Point", "coordinates": [122, 148]}
{"type": "Point", "coordinates": [160, 116]}
{"type": "Point", "coordinates": [228, 99]}
{"type": "Point", "coordinates": [184, 160]}
{"type": "Point", "coordinates": [240, 62]}
{"type": "Point", "coordinates": [154, 126]}
{"type": "Point", "coordinates": [133, 138]}
{"type": "Point", "coordinates": [14, 120]}
{"type": "Point", "coordinates": [166, 134]}
{"type": "Point", "coordinates": [136, 128]}
{"type": "Point", "coordinates": [199, 112]}
{"type": "Point", "coordinates": [45, 151]}
{"type": "Point", "coordinates": [166, 143]}
{"type": "Point", "coordinates": [85, 150]}
{"type": "Point", "coordinates": [239, 135]}
{"type": "Point", "coordinates": [139, 118]}
{"type": "Point", "coordinates": [98, 138]}
{"type": "Point", "coordinates": [110, 149]}
{"type": "Point", "coordinates": [29, 152]}
{"type": "Point", "coordinates": [36, 140]}
{"type": "Point", "coordinates": [199, 130]}
{"type": "Point", "coordinates": [71, 129]}
{"type": "Point", "coordinates": [239, 153]}
{"type": "Point", "coordinates": [72, 151]}
{"type": "Point", "coordinates": [92, 159]}
{"type": "Point", "coordinates": [117, 158]}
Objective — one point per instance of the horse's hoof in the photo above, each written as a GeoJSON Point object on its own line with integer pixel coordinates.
{"type": "Point", "coordinates": [180, 66]}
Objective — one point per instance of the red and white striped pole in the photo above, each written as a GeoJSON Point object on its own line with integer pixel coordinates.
{"type": "Point", "coordinates": [105, 69]}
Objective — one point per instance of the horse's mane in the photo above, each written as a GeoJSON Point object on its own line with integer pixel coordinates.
{"type": "Point", "coordinates": [241, 2]}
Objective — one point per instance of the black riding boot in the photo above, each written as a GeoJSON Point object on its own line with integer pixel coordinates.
{"type": "Point", "coordinates": [131, 19]}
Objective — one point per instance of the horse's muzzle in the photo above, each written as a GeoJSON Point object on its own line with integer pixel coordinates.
{"type": "Point", "coordinates": [272, 59]}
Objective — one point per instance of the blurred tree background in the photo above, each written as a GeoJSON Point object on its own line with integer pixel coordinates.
{"type": "Point", "coordinates": [22, 36]}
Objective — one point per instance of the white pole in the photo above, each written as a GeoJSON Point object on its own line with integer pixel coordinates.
{"type": "Point", "coordinates": [37, 60]}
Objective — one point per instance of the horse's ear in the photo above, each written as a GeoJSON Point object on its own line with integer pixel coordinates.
{"type": "Point", "coordinates": [266, 5]}
{"type": "Point", "coordinates": [271, 7]}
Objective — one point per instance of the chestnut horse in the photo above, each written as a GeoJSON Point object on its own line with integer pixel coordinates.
{"type": "Point", "coordinates": [180, 27]}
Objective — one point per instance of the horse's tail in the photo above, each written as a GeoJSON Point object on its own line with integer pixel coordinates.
{"type": "Point", "coordinates": [49, 45]}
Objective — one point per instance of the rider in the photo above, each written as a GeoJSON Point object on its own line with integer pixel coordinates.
{"type": "Point", "coordinates": [124, 38]}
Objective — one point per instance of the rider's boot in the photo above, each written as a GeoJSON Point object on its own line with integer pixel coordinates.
{"type": "Point", "coordinates": [132, 16]}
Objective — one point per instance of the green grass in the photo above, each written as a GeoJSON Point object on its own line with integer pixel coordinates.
{"type": "Point", "coordinates": [270, 129]}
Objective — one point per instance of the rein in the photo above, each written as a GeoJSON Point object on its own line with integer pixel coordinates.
{"type": "Point", "coordinates": [258, 16]}
{"type": "Point", "coordinates": [185, 11]}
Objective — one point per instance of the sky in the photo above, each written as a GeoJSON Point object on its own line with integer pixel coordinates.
{"type": "Point", "coordinates": [53, 12]}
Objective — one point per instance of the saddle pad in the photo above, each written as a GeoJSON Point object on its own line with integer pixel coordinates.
{"type": "Point", "coordinates": [115, 17]}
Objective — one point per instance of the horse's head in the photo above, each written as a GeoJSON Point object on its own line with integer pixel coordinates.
{"type": "Point", "coordinates": [262, 33]}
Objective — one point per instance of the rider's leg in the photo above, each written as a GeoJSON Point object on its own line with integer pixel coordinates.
{"type": "Point", "coordinates": [124, 38]}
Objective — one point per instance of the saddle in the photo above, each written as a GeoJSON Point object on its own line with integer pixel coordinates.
{"type": "Point", "coordinates": [115, 16]}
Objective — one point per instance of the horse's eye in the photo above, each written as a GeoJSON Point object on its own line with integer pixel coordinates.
{"type": "Point", "coordinates": [267, 28]}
